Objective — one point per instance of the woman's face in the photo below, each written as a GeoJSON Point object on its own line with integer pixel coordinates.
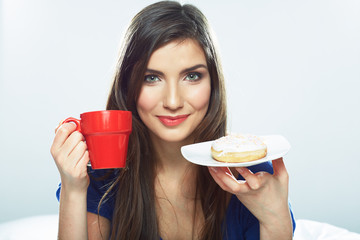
{"type": "Point", "coordinates": [175, 94]}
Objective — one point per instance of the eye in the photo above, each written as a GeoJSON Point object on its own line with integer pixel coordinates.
{"type": "Point", "coordinates": [151, 79]}
{"type": "Point", "coordinates": [193, 77]}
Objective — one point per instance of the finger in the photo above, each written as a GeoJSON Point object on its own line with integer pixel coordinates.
{"type": "Point", "coordinates": [221, 177]}
{"type": "Point", "coordinates": [76, 168]}
{"type": "Point", "coordinates": [82, 163]}
{"type": "Point", "coordinates": [62, 133]}
{"type": "Point", "coordinates": [71, 142]}
{"type": "Point", "coordinates": [59, 125]}
{"type": "Point", "coordinates": [78, 152]}
{"type": "Point", "coordinates": [213, 173]}
{"type": "Point", "coordinates": [227, 181]}
{"type": "Point", "coordinates": [279, 168]}
{"type": "Point", "coordinates": [228, 172]}
{"type": "Point", "coordinates": [252, 180]}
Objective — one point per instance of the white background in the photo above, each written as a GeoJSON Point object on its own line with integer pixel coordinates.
{"type": "Point", "coordinates": [291, 67]}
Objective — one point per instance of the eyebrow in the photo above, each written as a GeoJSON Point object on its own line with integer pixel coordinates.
{"type": "Point", "coordinates": [152, 71]}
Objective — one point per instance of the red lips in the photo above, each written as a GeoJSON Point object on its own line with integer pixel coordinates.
{"type": "Point", "coordinates": [171, 121]}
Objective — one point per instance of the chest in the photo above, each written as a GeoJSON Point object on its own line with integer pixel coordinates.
{"type": "Point", "coordinates": [179, 220]}
{"type": "Point", "coordinates": [180, 215]}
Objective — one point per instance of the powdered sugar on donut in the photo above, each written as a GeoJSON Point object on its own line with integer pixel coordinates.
{"type": "Point", "coordinates": [238, 143]}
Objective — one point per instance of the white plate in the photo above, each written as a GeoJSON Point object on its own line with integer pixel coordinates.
{"type": "Point", "coordinates": [200, 153]}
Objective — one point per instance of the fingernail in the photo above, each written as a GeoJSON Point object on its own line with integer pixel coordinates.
{"type": "Point", "coordinates": [230, 175]}
{"type": "Point", "coordinates": [57, 128]}
{"type": "Point", "coordinates": [213, 169]}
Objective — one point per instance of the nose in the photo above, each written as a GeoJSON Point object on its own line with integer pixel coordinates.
{"type": "Point", "coordinates": [173, 97]}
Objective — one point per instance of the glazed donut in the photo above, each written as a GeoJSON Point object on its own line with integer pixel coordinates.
{"type": "Point", "coordinates": [237, 148]}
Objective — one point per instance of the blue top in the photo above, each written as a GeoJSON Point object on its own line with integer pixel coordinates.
{"type": "Point", "coordinates": [240, 222]}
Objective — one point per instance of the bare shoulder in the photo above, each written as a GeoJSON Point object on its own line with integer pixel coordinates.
{"type": "Point", "coordinates": [98, 226]}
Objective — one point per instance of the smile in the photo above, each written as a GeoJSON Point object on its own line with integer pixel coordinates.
{"type": "Point", "coordinates": [171, 121]}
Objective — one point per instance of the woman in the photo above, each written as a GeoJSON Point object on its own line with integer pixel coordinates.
{"type": "Point", "coordinates": [169, 76]}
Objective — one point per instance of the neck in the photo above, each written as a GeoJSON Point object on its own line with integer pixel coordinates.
{"type": "Point", "coordinates": [175, 176]}
{"type": "Point", "coordinates": [169, 158]}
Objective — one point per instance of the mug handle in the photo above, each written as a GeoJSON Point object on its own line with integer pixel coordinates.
{"type": "Point", "coordinates": [74, 120]}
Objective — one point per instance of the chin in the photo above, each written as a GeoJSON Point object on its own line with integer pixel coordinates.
{"type": "Point", "coordinates": [174, 136]}
{"type": "Point", "coordinates": [174, 139]}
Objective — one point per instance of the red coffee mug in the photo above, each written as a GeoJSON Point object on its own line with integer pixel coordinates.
{"type": "Point", "coordinates": [107, 136]}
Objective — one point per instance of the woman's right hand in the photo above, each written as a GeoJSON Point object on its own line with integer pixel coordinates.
{"type": "Point", "coordinates": [71, 156]}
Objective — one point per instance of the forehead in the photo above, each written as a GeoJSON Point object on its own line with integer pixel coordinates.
{"type": "Point", "coordinates": [177, 55]}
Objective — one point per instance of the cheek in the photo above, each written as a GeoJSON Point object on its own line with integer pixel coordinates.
{"type": "Point", "coordinates": [147, 101]}
{"type": "Point", "coordinates": [199, 97]}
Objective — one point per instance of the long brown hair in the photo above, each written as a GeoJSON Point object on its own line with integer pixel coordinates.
{"type": "Point", "coordinates": [134, 214]}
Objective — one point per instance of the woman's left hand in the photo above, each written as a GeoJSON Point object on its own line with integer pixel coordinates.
{"type": "Point", "coordinates": [265, 195]}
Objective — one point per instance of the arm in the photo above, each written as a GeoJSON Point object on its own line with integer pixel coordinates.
{"type": "Point", "coordinates": [72, 215]}
{"type": "Point", "coordinates": [71, 157]}
{"type": "Point", "coordinates": [265, 195]}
